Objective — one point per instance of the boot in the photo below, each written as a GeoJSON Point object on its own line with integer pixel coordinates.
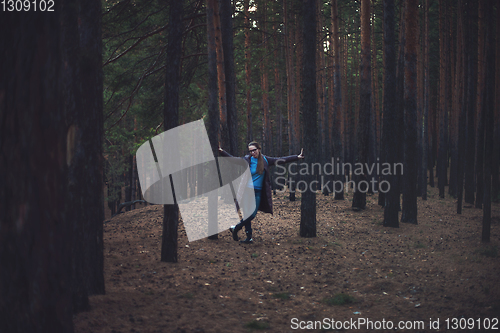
{"type": "Point", "coordinates": [234, 231]}
{"type": "Point", "coordinates": [249, 239]}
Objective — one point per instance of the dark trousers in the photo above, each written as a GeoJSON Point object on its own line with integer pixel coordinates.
{"type": "Point", "coordinates": [247, 223]}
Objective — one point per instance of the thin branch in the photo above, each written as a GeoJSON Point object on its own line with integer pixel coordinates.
{"type": "Point", "coordinates": [136, 88]}
{"type": "Point", "coordinates": [133, 45]}
{"type": "Point", "coordinates": [134, 28]}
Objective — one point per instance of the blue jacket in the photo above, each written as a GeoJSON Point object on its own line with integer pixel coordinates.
{"type": "Point", "coordinates": [266, 199]}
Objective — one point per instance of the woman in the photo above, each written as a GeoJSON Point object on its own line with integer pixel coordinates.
{"type": "Point", "coordinates": [259, 168]}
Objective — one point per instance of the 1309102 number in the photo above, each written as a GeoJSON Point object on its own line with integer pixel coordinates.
{"type": "Point", "coordinates": [472, 324]}
{"type": "Point", "coordinates": [27, 5]}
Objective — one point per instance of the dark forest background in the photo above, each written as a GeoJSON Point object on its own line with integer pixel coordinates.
{"type": "Point", "coordinates": [82, 87]}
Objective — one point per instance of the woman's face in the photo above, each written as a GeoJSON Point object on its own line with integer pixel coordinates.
{"type": "Point", "coordinates": [254, 152]}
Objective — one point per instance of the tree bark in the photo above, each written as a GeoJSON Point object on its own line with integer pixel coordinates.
{"type": "Point", "coordinates": [425, 129]}
{"type": "Point", "coordinates": [88, 149]}
{"type": "Point", "coordinates": [248, 57]}
{"type": "Point", "coordinates": [365, 112]}
{"type": "Point", "coordinates": [443, 103]}
{"type": "Point", "coordinates": [35, 251]}
{"type": "Point", "coordinates": [221, 75]}
{"type": "Point", "coordinates": [391, 209]}
{"type": "Point", "coordinates": [267, 136]}
{"type": "Point", "coordinates": [409, 213]}
{"type": "Point", "coordinates": [481, 73]}
{"type": "Point", "coordinates": [291, 90]}
{"type": "Point", "coordinates": [309, 117]}
{"type": "Point", "coordinates": [488, 106]}
{"type": "Point", "coordinates": [229, 74]}
{"type": "Point", "coordinates": [171, 120]}
{"type": "Point", "coordinates": [470, 149]}
{"type": "Point", "coordinates": [462, 79]}
{"type": "Point", "coordinates": [213, 114]}
{"type": "Point", "coordinates": [338, 112]}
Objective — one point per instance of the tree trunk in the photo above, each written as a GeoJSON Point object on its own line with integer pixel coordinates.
{"type": "Point", "coordinates": [278, 94]}
{"type": "Point", "coordinates": [365, 111]}
{"type": "Point", "coordinates": [425, 123]}
{"type": "Point", "coordinates": [35, 237]}
{"type": "Point", "coordinates": [221, 75]}
{"type": "Point", "coordinates": [248, 57]}
{"type": "Point", "coordinates": [453, 87]}
{"type": "Point", "coordinates": [309, 117]}
{"type": "Point", "coordinates": [171, 120]}
{"type": "Point", "coordinates": [267, 137]}
{"type": "Point", "coordinates": [91, 211]}
{"type": "Point", "coordinates": [291, 90]}
{"type": "Point", "coordinates": [488, 113]}
{"type": "Point", "coordinates": [495, 163]}
{"type": "Point", "coordinates": [213, 114]}
{"type": "Point", "coordinates": [320, 92]}
{"type": "Point", "coordinates": [391, 209]}
{"type": "Point", "coordinates": [470, 135]}
{"type": "Point", "coordinates": [338, 114]}
{"type": "Point", "coordinates": [481, 73]}
{"type": "Point", "coordinates": [229, 74]}
{"type": "Point", "coordinates": [409, 213]}
{"type": "Point", "coordinates": [400, 98]}
{"type": "Point", "coordinates": [462, 79]}
{"type": "Point", "coordinates": [443, 103]}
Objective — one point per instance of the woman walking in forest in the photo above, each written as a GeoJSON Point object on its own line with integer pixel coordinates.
{"type": "Point", "coordinates": [259, 168]}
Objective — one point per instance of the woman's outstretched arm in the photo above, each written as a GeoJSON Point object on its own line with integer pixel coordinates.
{"type": "Point", "coordinates": [285, 159]}
{"type": "Point", "coordinates": [224, 153]}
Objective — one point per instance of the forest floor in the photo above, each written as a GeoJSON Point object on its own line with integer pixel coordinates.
{"type": "Point", "coordinates": [354, 271]}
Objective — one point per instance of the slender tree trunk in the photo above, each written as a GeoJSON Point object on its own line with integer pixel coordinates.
{"type": "Point", "coordinates": [299, 51]}
{"type": "Point", "coordinates": [221, 76]}
{"type": "Point", "coordinates": [425, 129]}
{"type": "Point", "coordinates": [213, 115]}
{"type": "Point", "coordinates": [320, 92]}
{"type": "Point", "coordinates": [443, 109]}
{"type": "Point", "coordinates": [278, 94]}
{"type": "Point", "coordinates": [495, 163]}
{"type": "Point", "coordinates": [248, 57]}
{"type": "Point", "coordinates": [462, 79]}
{"type": "Point", "coordinates": [456, 104]}
{"type": "Point", "coordinates": [374, 126]}
{"type": "Point", "coordinates": [267, 137]}
{"type": "Point", "coordinates": [171, 120]}
{"type": "Point", "coordinates": [420, 101]}
{"type": "Point", "coordinates": [400, 96]}
{"type": "Point", "coordinates": [409, 213]}
{"type": "Point", "coordinates": [226, 21]}
{"type": "Point", "coordinates": [375, 90]}
{"type": "Point", "coordinates": [488, 113]}
{"type": "Point", "coordinates": [365, 117]}
{"type": "Point", "coordinates": [309, 117]}
{"type": "Point", "coordinates": [391, 208]}
{"type": "Point", "coordinates": [481, 73]}
{"type": "Point", "coordinates": [338, 112]}
{"type": "Point", "coordinates": [470, 149]}
{"type": "Point", "coordinates": [291, 89]}
{"type": "Point", "coordinates": [91, 79]}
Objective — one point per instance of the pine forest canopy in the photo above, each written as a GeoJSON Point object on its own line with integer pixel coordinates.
{"type": "Point", "coordinates": [359, 83]}
{"type": "Point", "coordinates": [268, 57]}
